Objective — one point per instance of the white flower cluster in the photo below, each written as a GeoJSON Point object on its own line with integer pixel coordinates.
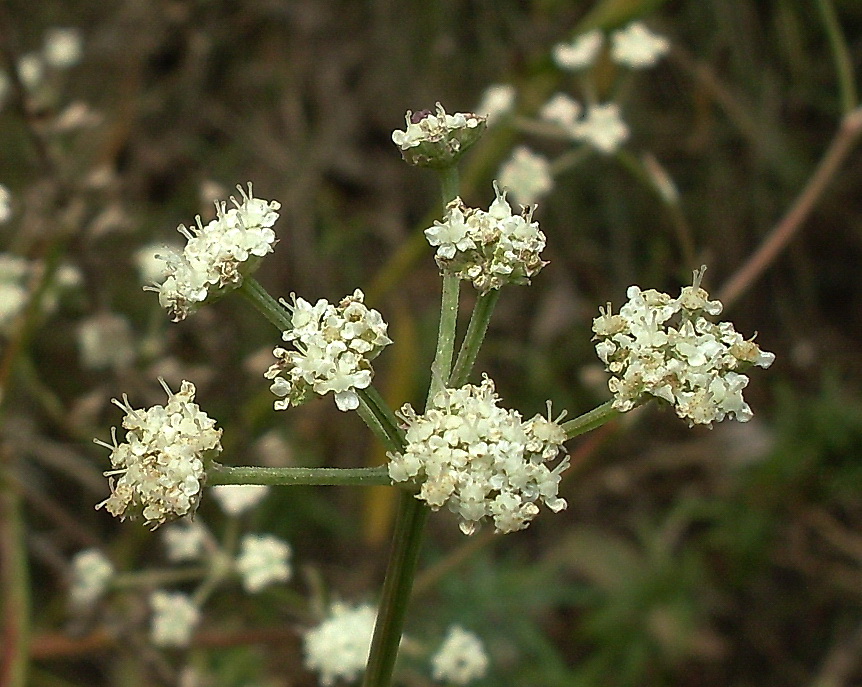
{"type": "Point", "coordinates": [490, 248]}
{"type": "Point", "coordinates": [333, 349]}
{"type": "Point", "coordinates": [174, 619]}
{"type": "Point", "coordinates": [217, 256]}
{"type": "Point", "coordinates": [526, 175]}
{"type": "Point", "coordinates": [635, 47]}
{"type": "Point", "coordinates": [497, 101]}
{"type": "Point", "coordinates": [91, 574]}
{"type": "Point", "coordinates": [601, 126]}
{"type": "Point", "coordinates": [665, 347]}
{"type": "Point", "coordinates": [461, 659]}
{"type": "Point", "coordinates": [481, 460]}
{"type": "Point", "coordinates": [338, 647]}
{"type": "Point", "coordinates": [262, 561]}
{"type": "Point", "coordinates": [437, 139]}
{"type": "Point", "coordinates": [236, 499]}
{"type": "Point", "coordinates": [185, 541]}
{"type": "Point", "coordinates": [161, 465]}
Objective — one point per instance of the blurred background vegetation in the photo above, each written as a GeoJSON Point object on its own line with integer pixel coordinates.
{"type": "Point", "coordinates": [730, 556]}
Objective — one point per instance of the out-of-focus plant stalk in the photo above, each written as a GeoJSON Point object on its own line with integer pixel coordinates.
{"type": "Point", "coordinates": [840, 55]}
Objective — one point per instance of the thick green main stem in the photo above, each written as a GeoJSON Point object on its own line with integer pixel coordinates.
{"type": "Point", "coordinates": [400, 572]}
{"type": "Point", "coordinates": [412, 513]}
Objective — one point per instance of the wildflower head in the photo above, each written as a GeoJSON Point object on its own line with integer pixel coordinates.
{"type": "Point", "coordinates": [158, 472]}
{"type": "Point", "coordinates": [489, 248]}
{"type": "Point", "coordinates": [438, 139]}
{"type": "Point", "coordinates": [461, 659]}
{"type": "Point", "coordinates": [91, 575]}
{"type": "Point", "coordinates": [175, 616]}
{"type": "Point", "coordinates": [603, 128]}
{"type": "Point", "coordinates": [637, 47]}
{"type": "Point", "coordinates": [580, 53]}
{"type": "Point", "coordinates": [663, 347]}
{"type": "Point", "coordinates": [333, 347]}
{"type": "Point", "coordinates": [338, 648]}
{"type": "Point", "coordinates": [526, 175]}
{"type": "Point", "coordinates": [262, 561]}
{"type": "Point", "coordinates": [498, 101]}
{"type": "Point", "coordinates": [480, 460]}
{"type": "Point", "coordinates": [217, 256]}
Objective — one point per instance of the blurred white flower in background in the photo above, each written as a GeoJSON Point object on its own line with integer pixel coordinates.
{"type": "Point", "coordinates": [526, 175]}
{"type": "Point", "coordinates": [497, 101]}
{"type": "Point", "coordinates": [580, 52]}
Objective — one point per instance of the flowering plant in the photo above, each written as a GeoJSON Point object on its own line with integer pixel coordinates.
{"type": "Point", "coordinates": [463, 451]}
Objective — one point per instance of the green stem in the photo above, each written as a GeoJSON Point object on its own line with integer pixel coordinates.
{"type": "Point", "coordinates": [449, 184]}
{"type": "Point", "coordinates": [840, 54]}
{"type": "Point", "coordinates": [591, 420]}
{"type": "Point", "coordinates": [474, 337]}
{"type": "Point", "coordinates": [442, 366]}
{"type": "Point", "coordinates": [14, 575]}
{"type": "Point", "coordinates": [412, 514]}
{"type": "Point", "coordinates": [250, 474]}
{"type": "Point", "coordinates": [376, 413]}
{"type": "Point", "coordinates": [157, 578]}
{"type": "Point", "coordinates": [270, 308]}
{"type": "Point", "coordinates": [400, 571]}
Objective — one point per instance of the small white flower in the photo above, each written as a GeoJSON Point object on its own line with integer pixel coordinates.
{"type": "Point", "coordinates": [637, 47]}
{"type": "Point", "coordinates": [219, 255]}
{"type": "Point", "coordinates": [338, 648]}
{"type": "Point", "coordinates": [91, 574]}
{"type": "Point", "coordinates": [106, 341]}
{"type": "Point", "coordinates": [664, 347]}
{"type": "Point", "coordinates": [563, 110]}
{"type": "Point", "coordinates": [580, 53]}
{"type": "Point", "coordinates": [497, 101]}
{"type": "Point", "coordinates": [479, 459]}
{"type": "Point", "coordinates": [263, 560]}
{"type": "Point", "coordinates": [161, 464]}
{"type": "Point", "coordinates": [526, 175]}
{"type": "Point", "coordinates": [461, 659]}
{"type": "Point", "coordinates": [437, 139]}
{"type": "Point", "coordinates": [5, 202]}
{"type": "Point", "coordinates": [333, 350]}
{"type": "Point", "coordinates": [236, 499]}
{"type": "Point", "coordinates": [184, 541]}
{"type": "Point", "coordinates": [13, 293]}
{"type": "Point", "coordinates": [63, 47]}
{"type": "Point", "coordinates": [603, 128]}
{"type": "Point", "coordinates": [175, 617]}
{"type": "Point", "coordinates": [31, 70]}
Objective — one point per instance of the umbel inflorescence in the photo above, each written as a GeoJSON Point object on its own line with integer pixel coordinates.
{"type": "Point", "coordinates": [489, 248]}
{"type": "Point", "coordinates": [480, 460]}
{"type": "Point", "coordinates": [158, 472]}
{"type": "Point", "coordinates": [332, 349]}
{"type": "Point", "coordinates": [217, 255]}
{"type": "Point", "coordinates": [664, 347]}
{"type": "Point", "coordinates": [438, 139]}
